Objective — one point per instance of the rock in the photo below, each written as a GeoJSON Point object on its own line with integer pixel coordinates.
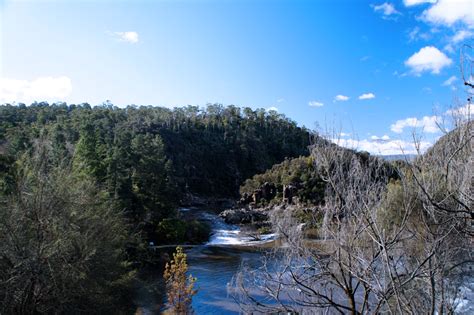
{"type": "Point", "coordinates": [246, 199]}
{"type": "Point", "coordinates": [268, 191]}
{"type": "Point", "coordinates": [288, 193]}
{"type": "Point", "coordinates": [243, 216]}
{"type": "Point", "coordinates": [256, 196]}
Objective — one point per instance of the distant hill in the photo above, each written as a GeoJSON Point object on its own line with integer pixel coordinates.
{"type": "Point", "coordinates": [450, 141]}
{"type": "Point", "coordinates": [399, 157]}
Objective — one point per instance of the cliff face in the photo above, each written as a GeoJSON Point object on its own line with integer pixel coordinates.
{"type": "Point", "coordinates": [292, 181]}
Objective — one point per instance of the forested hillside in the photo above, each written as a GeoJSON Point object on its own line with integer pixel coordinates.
{"type": "Point", "coordinates": [301, 180]}
{"type": "Point", "coordinates": [85, 188]}
{"type": "Point", "coordinates": [147, 158]}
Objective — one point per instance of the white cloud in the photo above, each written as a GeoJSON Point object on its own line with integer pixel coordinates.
{"type": "Point", "coordinates": [465, 112]}
{"type": "Point", "coordinates": [386, 8]}
{"type": "Point", "coordinates": [341, 98]}
{"type": "Point", "coordinates": [129, 37]}
{"type": "Point", "coordinates": [273, 108]}
{"type": "Point", "coordinates": [280, 100]}
{"type": "Point", "coordinates": [49, 89]}
{"type": "Point", "coordinates": [410, 3]}
{"type": "Point", "coordinates": [462, 35]}
{"type": "Point", "coordinates": [383, 138]}
{"type": "Point", "coordinates": [343, 134]}
{"type": "Point", "coordinates": [367, 96]}
{"type": "Point", "coordinates": [448, 12]}
{"type": "Point", "coordinates": [427, 123]}
{"type": "Point", "coordinates": [449, 81]}
{"type": "Point", "coordinates": [428, 58]}
{"type": "Point", "coordinates": [315, 104]}
{"type": "Point", "coordinates": [389, 147]}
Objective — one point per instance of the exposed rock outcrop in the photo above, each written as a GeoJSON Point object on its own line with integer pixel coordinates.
{"type": "Point", "coordinates": [289, 192]}
{"type": "Point", "coordinates": [266, 192]}
{"type": "Point", "coordinates": [243, 216]}
{"type": "Point", "coordinates": [245, 199]}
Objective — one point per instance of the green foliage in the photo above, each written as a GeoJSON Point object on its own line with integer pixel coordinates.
{"type": "Point", "coordinates": [197, 232]}
{"type": "Point", "coordinates": [147, 158]}
{"type": "Point", "coordinates": [390, 213]}
{"type": "Point", "coordinates": [176, 231]}
{"type": "Point", "coordinates": [62, 243]}
{"type": "Point", "coordinates": [171, 230]}
{"type": "Point", "coordinates": [264, 230]}
{"type": "Point", "coordinates": [299, 172]}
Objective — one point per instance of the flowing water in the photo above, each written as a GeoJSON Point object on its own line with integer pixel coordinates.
{"type": "Point", "coordinates": [215, 264]}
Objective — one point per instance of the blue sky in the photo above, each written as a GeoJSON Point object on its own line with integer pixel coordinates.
{"type": "Point", "coordinates": [371, 70]}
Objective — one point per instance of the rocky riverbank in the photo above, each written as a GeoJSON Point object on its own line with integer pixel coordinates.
{"type": "Point", "coordinates": [244, 215]}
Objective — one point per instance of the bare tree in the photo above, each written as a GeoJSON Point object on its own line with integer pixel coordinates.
{"type": "Point", "coordinates": [396, 239]}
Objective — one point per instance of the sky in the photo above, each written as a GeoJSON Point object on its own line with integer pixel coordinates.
{"type": "Point", "coordinates": [369, 72]}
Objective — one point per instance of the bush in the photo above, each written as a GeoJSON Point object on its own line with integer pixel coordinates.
{"type": "Point", "coordinates": [176, 231]}
{"type": "Point", "coordinates": [171, 231]}
{"type": "Point", "coordinates": [180, 287]}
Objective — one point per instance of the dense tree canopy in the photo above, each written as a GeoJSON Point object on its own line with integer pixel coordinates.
{"type": "Point", "coordinates": [63, 244]}
{"type": "Point", "coordinates": [146, 158]}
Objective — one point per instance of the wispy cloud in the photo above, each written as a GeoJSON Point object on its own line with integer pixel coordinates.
{"type": "Point", "coordinates": [272, 108]}
{"type": "Point", "coordinates": [387, 9]}
{"type": "Point", "coordinates": [129, 37]}
{"type": "Point", "coordinates": [367, 96]}
{"type": "Point", "coordinates": [341, 98]}
{"type": "Point", "coordinates": [41, 89]}
{"type": "Point", "coordinates": [416, 34]}
{"type": "Point", "coordinates": [450, 81]}
{"type": "Point", "coordinates": [462, 35]}
{"type": "Point", "coordinates": [315, 104]}
{"type": "Point", "coordinates": [428, 58]}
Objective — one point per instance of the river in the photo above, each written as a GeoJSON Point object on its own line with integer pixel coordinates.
{"type": "Point", "coordinates": [214, 264]}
